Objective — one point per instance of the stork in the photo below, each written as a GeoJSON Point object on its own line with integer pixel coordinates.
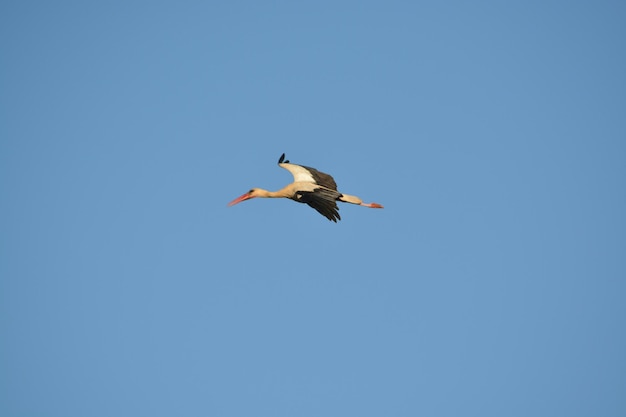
{"type": "Point", "coordinates": [310, 186]}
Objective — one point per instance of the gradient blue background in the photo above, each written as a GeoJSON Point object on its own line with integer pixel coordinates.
{"type": "Point", "coordinates": [492, 284]}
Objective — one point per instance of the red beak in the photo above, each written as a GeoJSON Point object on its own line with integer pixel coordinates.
{"type": "Point", "coordinates": [237, 200]}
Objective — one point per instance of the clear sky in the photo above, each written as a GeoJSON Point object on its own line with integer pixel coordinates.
{"type": "Point", "coordinates": [492, 284]}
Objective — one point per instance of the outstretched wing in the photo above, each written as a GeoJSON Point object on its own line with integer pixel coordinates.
{"type": "Point", "coordinates": [322, 200]}
{"type": "Point", "coordinates": [307, 174]}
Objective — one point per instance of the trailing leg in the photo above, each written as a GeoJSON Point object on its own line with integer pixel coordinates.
{"type": "Point", "coordinates": [352, 199]}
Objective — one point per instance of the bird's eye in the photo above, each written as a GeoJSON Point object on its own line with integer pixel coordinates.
{"type": "Point", "coordinates": [250, 192]}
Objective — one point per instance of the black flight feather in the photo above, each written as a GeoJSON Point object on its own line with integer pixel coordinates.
{"type": "Point", "coordinates": [322, 200]}
{"type": "Point", "coordinates": [282, 159]}
{"type": "Point", "coordinates": [322, 179]}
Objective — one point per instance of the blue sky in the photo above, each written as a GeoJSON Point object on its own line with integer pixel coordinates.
{"type": "Point", "coordinates": [492, 284]}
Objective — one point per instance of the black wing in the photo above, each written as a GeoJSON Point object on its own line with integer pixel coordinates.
{"type": "Point", "coordinates": [322, 200]}
{"type": "Point", "coordinates": [320, 178]}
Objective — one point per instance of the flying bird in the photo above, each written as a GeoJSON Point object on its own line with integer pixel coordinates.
{"type": "Point", "coordinates": [309, 186]}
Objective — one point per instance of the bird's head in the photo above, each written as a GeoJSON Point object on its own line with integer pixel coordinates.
{"type": "Point", "coordinates": [254, 192]}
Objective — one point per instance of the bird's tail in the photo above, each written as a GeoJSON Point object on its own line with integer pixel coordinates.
{"type": "Point", "coordinates": [352, 199]}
